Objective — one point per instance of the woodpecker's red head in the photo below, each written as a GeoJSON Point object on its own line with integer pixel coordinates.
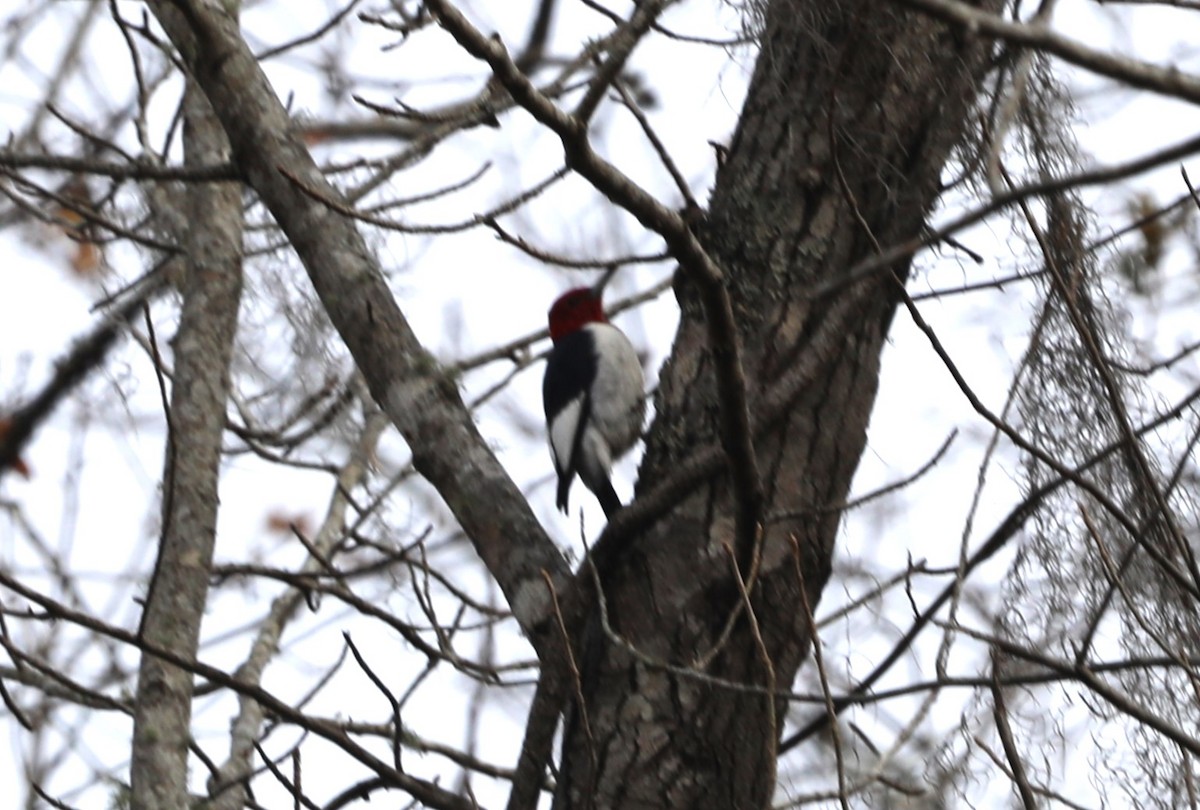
{"type": "Point", "coordinates": [575, 309]}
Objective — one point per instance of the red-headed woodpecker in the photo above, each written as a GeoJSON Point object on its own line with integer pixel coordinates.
{"type": "Point", "coordinates": [593, 394]}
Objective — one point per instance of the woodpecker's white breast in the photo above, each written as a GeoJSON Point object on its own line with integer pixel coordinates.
{"type": "Point", "coordinates": [618, 391]}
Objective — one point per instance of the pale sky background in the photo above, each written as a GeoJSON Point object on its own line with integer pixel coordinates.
{"type": "Point", "coordinates": [113, 462]}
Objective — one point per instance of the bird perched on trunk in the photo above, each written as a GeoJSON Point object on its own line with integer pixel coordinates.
{"type": "Point", "coordinates": [593, 394]}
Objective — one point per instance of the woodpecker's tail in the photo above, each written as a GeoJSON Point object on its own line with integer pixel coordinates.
{"type": "Point", "coordinates": [607, 496]}
{"type": "Point", "coordinates": [564, 490]}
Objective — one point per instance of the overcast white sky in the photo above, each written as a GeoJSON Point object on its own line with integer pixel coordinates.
{"type": "Point", "coordinates": [105, 447]}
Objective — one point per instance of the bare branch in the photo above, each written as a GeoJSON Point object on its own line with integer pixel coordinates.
{"type": "Point", "coordinates": [404, 378]}
{"type": "Point", "coordinates": [1168, 81]}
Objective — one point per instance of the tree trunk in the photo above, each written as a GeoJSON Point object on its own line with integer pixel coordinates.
{"type": "Point", "coordinates": [203, 346]}
{"type": "Point", "coordinates": [852, 113]}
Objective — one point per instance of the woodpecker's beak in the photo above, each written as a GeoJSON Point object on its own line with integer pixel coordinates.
{"type": "Point", "coordinates": [598, 287]}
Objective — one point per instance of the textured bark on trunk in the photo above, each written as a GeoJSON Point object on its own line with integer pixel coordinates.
{"type": "Point", "coordinates": [203, 346]}
{"type": "Point", "coordinates": [852, 112]}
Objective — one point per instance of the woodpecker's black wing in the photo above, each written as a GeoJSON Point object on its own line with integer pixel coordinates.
{"type": "Point", "coordinates": [570, 370]}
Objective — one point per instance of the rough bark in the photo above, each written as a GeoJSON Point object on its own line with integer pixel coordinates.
{"type": "Point", "coordinates": [852, 113]}
{"type": "Point", "coordinates": [203, 346]}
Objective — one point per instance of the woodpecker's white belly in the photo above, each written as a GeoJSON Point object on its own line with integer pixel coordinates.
{"type": "Point", "coordinates": [618, 394]}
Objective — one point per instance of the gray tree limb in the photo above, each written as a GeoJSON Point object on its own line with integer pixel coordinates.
{"type": "Point", "coordinates": [416, 393]}
{"type": "Point", "coordinates": [178, 592]}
